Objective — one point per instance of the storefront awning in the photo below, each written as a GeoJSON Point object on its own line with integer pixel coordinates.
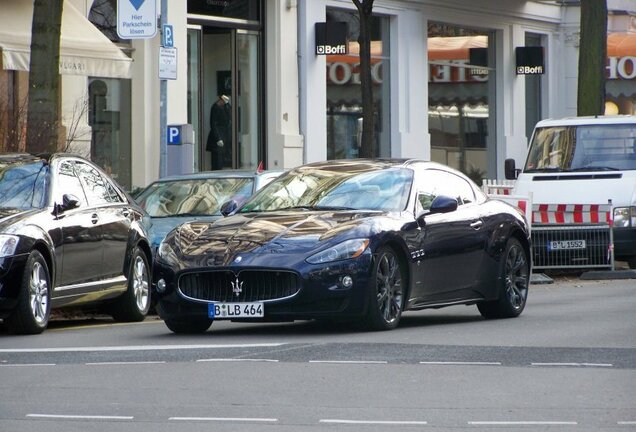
{"type": "Point", "coordinates": [84, 50]}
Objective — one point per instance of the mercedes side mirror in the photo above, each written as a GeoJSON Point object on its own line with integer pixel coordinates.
{"type": "Point", "coordinates": [229, 207]}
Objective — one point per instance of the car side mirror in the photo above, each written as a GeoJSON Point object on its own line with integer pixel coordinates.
{"type": "Point", "coordinates": [443, 204]}
{"type": "Point", "coordinates": [229, 207]}
{"type": "Point", "coordinates": [510, 170]}
{"type": "Point", "coordinates": [69, 201]}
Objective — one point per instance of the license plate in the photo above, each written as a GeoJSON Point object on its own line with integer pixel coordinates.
{"type": "Point", "coordinates": [236, 310]}
{"type": "Point", "coordinates": [566, 244]}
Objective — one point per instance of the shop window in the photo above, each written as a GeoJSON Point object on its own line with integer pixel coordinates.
{"type": "Point", "coordinates": [109, 104]}
{"type": "Point", "coordinates": [248, 10]}
{"type": "Point", "coordinates": [461, 98]}
{"type": "Point", "coordinates": [344, 101]}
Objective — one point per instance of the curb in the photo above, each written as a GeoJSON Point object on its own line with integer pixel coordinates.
{"type": "Point", "coordinates": [609, 274]}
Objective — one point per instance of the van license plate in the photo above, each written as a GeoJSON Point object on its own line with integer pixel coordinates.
{"type": "Point", "coordinates": [566, 244]}
{"type": "Point", "coordinates": [236, 310]}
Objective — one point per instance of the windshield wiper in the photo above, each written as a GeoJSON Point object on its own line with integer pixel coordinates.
{"type": "Point", "coordinates": [546, 169]}
{"type": "Point", "coordinates": [310, 207]}
{"type": "Point", "coordinates": [594, 168]}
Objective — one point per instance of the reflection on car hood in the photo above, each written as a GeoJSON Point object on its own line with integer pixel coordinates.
{"type": "Point", "coordinates": [10, 216]}
{"type": "Point", "coordinates": [160, 226]}
{"type": "Point", "coordinates": [288, 232]}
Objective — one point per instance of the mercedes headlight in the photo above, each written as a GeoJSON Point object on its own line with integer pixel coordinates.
{"type": "Point", "coordinates": [624, 217]}
{"type": "Point", "coordinates": [342, 251]}
{"type": "Point", "coordinates": [8, 245]}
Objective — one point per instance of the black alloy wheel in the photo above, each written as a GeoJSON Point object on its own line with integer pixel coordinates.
{"type": "Point", "coordinates": [386, 301]}
{"type": "Point", "coordinates": [513, 283]}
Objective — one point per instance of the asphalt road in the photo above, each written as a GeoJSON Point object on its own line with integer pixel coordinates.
{"type": "Point", "coordinates": [568, 363]}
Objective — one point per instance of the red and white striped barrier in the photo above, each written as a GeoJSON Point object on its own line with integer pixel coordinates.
{"type": "Point", "coordinates": [572, 214]}
{"type": "Point", "coordinates": [524, 203]}
{"type": "Point", "coordinates": [497, 187]}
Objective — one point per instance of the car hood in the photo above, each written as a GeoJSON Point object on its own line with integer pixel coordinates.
{"type": "Point", "coordinates": [10, 216]}
{"type": "Point", "coordinates": [282, 233]}
{"type": "Point", "coordinates": [160, 226]}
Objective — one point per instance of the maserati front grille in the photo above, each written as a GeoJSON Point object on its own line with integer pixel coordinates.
{"type": "Point", "coordinates": [244, 286]}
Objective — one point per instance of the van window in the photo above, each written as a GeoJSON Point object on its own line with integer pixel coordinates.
{"type": "Point", "coordinates": [610, 147]}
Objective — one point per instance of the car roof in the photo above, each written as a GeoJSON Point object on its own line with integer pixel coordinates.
{"type": "Point", "coordinates": [369, 164]}
{"type": "Point", "coordinates": [589, 120]}
{"type": "Point", "coordinates": [218, 174]}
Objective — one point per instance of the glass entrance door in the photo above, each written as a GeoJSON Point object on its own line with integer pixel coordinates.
{"type": "Point", "coordinates": [225, 117]}
{"type": "Point", "coordinates": [247, 95]}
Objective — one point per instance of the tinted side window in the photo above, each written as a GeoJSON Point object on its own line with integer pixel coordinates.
{"type": "Point", "coordinates": [69, 183]}
{"type": "Point", "coordinates": [94, 185]}
{"type": "Point", "coordinates": [435, 182]}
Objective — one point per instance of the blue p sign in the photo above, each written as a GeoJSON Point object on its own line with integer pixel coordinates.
{"type": "Point", "coordinates": [174, 135]}
{"type": "Point", "coordinates": [167, 36]}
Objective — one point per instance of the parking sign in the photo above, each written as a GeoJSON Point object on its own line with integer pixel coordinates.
{"type": "Point", "coordinates": [136, 19]}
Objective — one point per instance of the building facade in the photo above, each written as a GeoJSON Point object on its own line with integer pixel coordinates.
{"type": "Point", "coordinates": [445, 83]}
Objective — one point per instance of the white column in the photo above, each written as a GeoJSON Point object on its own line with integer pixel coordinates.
{"type": "Point", "coordinates": [284, 142]}
{"type": "Point", "coordinates": [313, 87]}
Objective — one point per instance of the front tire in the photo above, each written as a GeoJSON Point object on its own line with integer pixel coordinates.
{"type": "Point", "coordinates": [386, 300]}
{"type": "Point", "coordinates": [32, 312]}
{"type": "Point", "coordinates": [192, 326]}
{"type": "Point", "coordinates": [513, 282]}
{"type": "Point", "coordinates": [134, 304]}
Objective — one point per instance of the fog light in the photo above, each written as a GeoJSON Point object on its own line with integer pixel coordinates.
{"type": "Point", "coordinates": [346, 281]}
{"type": "Point", "coordinates": [161, 285]}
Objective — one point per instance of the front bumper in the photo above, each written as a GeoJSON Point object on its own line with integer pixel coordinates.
{"type": "Point", "coordinates": [320, 293]}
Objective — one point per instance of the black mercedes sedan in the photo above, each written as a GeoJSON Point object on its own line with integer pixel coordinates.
{"type": "Point", "coordinates": [350, 240]}
{"type": "Point", "coordinates": [69, 236]}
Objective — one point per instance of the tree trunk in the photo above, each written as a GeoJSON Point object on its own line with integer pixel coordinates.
{"type": "Point", "coordinates": [592, 58]}
{"type": "Point", "coordinates": [367, 147]}
{"type": "Point", "coordinates": [44, 77]}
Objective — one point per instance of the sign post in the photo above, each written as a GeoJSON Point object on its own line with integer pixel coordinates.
{"type": "Point", "coordinates": [163, 93]}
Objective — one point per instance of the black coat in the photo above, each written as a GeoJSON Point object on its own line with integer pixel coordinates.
{"type": "Point", "coordinates": [220, 129]}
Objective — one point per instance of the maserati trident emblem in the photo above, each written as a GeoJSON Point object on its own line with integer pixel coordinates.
{"type": "Point", "coordinates": [237, 287]}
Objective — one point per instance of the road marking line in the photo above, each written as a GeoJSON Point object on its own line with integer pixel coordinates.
{"type": "Point", "coordinates": [137, 348]}
{"type": "Point", "coordinates": [26, 364]}
{"type": "Point", "coordinates": [236, 360]}
{"type": "Point", "coordinates": [80, 417]}
{"type": "Point", "coordinates": [348, 361]}
{"type": "Point", "coordinates": [371, 422]}
{"type": "Point", "coordinates": [521, 423]}
{"type": "Point", "coordinates": [225, 419]}
{"type": "Point", "coordinates": [575, 364]}
{"type": "Point", "coordinates": [461, 363]}
{"type": "Point", "coordinates": [626, 423]}
{"type": "Point", "coordinates": [124, 363]}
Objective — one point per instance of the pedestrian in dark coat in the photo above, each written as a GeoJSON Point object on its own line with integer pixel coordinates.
{"type": "Point", "coordinates": [219, 141]}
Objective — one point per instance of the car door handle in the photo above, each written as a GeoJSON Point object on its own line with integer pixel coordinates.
{"type": "Point", "coordinates": [94, 218]}
{"type": "Point", "coordinates": [477, 224]}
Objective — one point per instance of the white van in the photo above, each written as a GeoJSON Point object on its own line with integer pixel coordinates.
{"type": "Point", "coordinates": [585, 160]}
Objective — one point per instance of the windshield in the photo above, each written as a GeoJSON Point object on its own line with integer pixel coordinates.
{"type": "Point", "coordinates": [201, 197]}
{"type": "Point", "coordinates": [583, 148]}
{"type": "Point", "coordinates": [23, 185]}
{"type": "Point", "coordinates": [386, 189]}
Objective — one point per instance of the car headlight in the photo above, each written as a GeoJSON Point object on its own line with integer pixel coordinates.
{"type": "Point", "coordinates": [8, 245]}
{"type": "Point", "coordinates": [166, 253]}
{"type": "Point", "coordinates": [345, 250]}
{"type": "Point", "coordinates": [625, 217]}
